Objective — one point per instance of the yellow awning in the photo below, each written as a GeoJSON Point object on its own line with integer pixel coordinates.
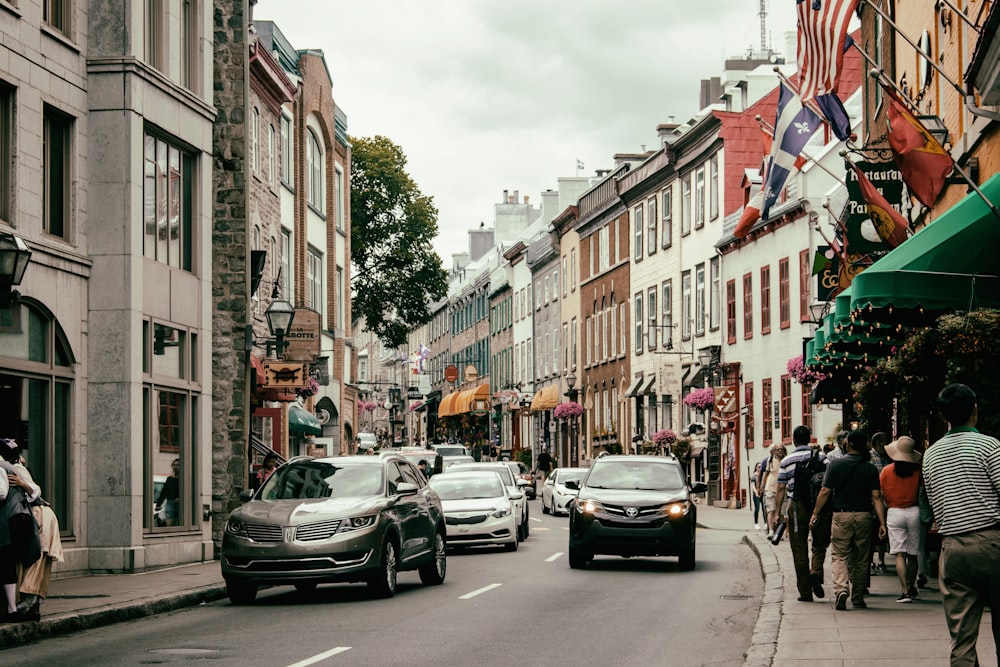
{"type": "Point", "coordinates": [545, 398]}
{"type": "Point", "coordinates": [466, 399]}
{"type": "Point", "coordinates": [446, 408]}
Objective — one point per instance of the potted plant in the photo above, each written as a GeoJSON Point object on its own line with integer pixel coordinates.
{"type": "Point", "coordinates": [800, 373]}
{"type": "Point", "coordinates": [565, 411]}
{"type": "Point", "coordinates": [701, 399]}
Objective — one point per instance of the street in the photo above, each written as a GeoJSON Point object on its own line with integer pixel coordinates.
{"type": "Point", "coordinates": [495, 608]}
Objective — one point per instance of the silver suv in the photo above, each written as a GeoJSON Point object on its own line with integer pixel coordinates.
{"type": "Point", "coordinates": [340, 519]}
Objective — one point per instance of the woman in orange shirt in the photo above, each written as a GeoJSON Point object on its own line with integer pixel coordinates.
{"type": "Point", "coordinates": [900, 482]}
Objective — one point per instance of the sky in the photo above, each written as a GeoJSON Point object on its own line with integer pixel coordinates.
{"type": "Point", "coordinates": [491, 95]}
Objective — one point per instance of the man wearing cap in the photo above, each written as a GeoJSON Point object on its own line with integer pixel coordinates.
{"type": "Point", "coordinates": [900, 482]}
{"type": "Point", "coordinates": [962, 479]}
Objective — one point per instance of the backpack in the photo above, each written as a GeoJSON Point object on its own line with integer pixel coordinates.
{"type": "Point", "coordinates": [808, 478]}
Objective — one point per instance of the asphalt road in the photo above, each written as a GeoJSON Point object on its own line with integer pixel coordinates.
{"type": "Point", "coordinates": [495, 608]}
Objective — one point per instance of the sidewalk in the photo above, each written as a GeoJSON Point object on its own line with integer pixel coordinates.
{"type": "Point", "coordinates": [788, 633]}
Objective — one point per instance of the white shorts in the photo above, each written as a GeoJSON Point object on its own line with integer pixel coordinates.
{"type": "Point", "coordinates": [903, 524]}
{"type": "Point", "coordinates": [770, 501]}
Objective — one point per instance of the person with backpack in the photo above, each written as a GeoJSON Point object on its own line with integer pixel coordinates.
{"type": "Point", "coordinates": [800, 472]}
{"type": "Point", "coordinates": [851, 486]}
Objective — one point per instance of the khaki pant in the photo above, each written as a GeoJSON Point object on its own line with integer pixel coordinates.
{"type": "Point", "coordinates": [851, 538]}
{"type": "Point", "coordinates": [969, 580]}
{"type": "Point", "coordinates": [798, 539]}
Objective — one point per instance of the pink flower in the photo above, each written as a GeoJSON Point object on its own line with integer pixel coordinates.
{"type": "Point", "coordinates": [665, 437]}
{"type": "Point", "coordinates": [568, 410]}
{"type": "Point", "coordinates": [701, 399]}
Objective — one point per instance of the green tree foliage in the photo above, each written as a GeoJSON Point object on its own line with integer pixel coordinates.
{"type": "Point", "coordinates": [397, 274]}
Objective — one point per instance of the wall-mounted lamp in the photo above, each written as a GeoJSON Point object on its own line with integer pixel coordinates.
{"type": "Point", "coordinates": [14, 257]}
{"type": "Point", "coordinates": [818, 311]}
{"type": "Point", "coordinates": [280, 315]}
{"type": "Point", "coordinates": [936, 127]}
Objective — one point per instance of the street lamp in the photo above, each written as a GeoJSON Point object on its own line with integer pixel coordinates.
{"type": "Point", "coordinates": [280, 315]}
{"type": "Point", "coordinates": [571, 393]}
{"type": "Point", "coordinates": [708, 360]}
{"type": "Point", "coordinates": [14, 257]}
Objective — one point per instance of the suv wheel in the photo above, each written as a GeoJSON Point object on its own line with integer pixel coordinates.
{"type": "Point", "coordinates": [579, 559]}
{"type": "Point", "coordinates": [511, 546]}
{"type": "Point", "coordinates": [241, 592]}
{"type": "Point", "coordinates": [383, 582]}
{"type": "Point", "coordinates": [527, 522]}
{"type": "Point", "coordinates": [433, 573]}
{"type": "Point", "coordinates": [687, 559]}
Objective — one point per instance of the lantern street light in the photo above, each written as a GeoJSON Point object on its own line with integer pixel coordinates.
{"type": "Point", "coordinates": [280, 315]}
{"type": "Point", "coordinates": [14, 257]}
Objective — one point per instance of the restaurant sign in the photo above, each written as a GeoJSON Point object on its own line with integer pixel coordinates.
{"type": "Point", "coordinates": [304, 337]}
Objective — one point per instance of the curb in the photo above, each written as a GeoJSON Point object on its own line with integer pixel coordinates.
{"type": "Point", "coordinates": [17, 634]}
{"type": "Point", "coordinates": [764, 640]}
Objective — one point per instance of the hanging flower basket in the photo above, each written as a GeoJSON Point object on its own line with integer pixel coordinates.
{"type": "Point", "coordinates": [664, 437]}
{"type": "Point", "coordinates": [700, 399]}
{"type": "Point", "coordinates": [798, 371]}
{"type": "Point", "coordinates": [568, 410]}
{"type": "Point", "coordinates": [366, 406]}
{"type": "Point", "coordinates": [311, 390]}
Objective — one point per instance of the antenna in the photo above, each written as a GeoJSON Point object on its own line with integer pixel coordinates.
{"type": "Point", "coordinates": [763, 26]}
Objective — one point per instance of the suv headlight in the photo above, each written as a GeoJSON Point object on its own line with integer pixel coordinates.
{"type": "Point", "coordinates": [356, 523]}
{"type": "Point", "coordinates": [236, 527]}
{"type": "Point", "coordinates": [502, 511]}
{"type": "Point", "coordinates": [589, 506]}
{"type": "Point", "coordinates": [676, 510]}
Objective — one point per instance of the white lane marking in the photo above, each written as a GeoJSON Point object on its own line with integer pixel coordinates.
{"type": "Point", "coordinates": [565, 527]}
{"type": "Point", "coordinates": [479, 591]}
{"type": "Point", "coordinates": [531, 518]}
{"type": "Point", "coordinates": [321, 656]}
{"type": "Point", "coordinates": [556, 556]}
{"type": "Point", "coordinates": [543, 528]}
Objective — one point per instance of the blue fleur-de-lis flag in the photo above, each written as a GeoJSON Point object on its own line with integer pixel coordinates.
{"type": "Point", "coordinates": [793, 127]}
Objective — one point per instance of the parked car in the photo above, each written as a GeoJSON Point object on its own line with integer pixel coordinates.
{"type": "Point", "coordinates": [633, 506]}
{"type": "Point", "coordinates": [340, 519]}
{"type": "Point", "coordinates": [556, 497]}
{"type": "Point", "coordinates": [417, 454]}
{"type": "Point", "coordinates": [520, 470]}
{"type": "Point", "coordinates": [444, 462]}
{"type": "Point", "coordinates": [515, 486]}
{"type": "Point", "coordinates": [366, 441]}
{"type": "Point", "coordinates": [477, 509]}
{"type": "Point", "coordinates": [451, 450]}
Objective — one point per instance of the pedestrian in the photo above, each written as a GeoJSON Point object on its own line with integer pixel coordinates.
{"type": "Point", "coordinates": [33, 581]}
{"type": "Point", "coordinates": [852, 486]}
{"type": "Point", "coordinates": [18, 532]}
{"type": "Point", "coordinates": [961, 473]}
{"type": "Point", "coordinates": [770, 471]}
{"type": "Point", "coordinates": [900, 481]}
{"type": "Point", "coordinates": [267, 468]}
{"type": "Point", "coordinates": [879, 459]}
{"type": "Point", "coordinates": [809, 572]}
{"type": "Point", "coordinates": [755, 496]}
{"type": "Point", "coordinates": [544, 465]}
{"type": "Point", "coordinates": [840, 449]}
{"type": "Point", "coordinates": [169, 501]}
{"type": "Point", "coordinates": [422, 467]}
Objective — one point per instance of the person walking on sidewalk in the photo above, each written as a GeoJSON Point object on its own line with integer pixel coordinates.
{"type": "Point", "coordinates": [962, 479]}
{"type": "Point", "coordinates": [901, 490]}
{"type": "Point", "coordinates": [769, 472]}
{"type": "Point", "coordinates": [852, 482]}
{"type": "Point", "coordinates": [808, 574]}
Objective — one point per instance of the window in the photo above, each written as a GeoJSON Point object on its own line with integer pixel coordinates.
{"type": "Point", "coordinates": [286, 264]}
{"type": "Point", "coordinates": [651, 226]}
{"type": "Point", "coordinates": [314, 281]}
{"type": "Point", "coordinates": [666, 314]}
{"type": "Point", "coordinates": [612, 318]}
{"type": "Point", "coordinates": [341, 298]}
{"type": "Point", "coordinates": [667, 233]}
{"type": "Point", "coordinates": [314, 161]}
{"type": "Point", "coordinates": [713, 188]}
{"type": "Point", "coordinates": [338, 193]}
{"type": "Point", "coordinates": [565, 337]}
{"type": "Point", "coordinates": [172, 43]}
{"type": "Point", "coordinates": [572, 269]}
{"type": "Point", "coordinates": [155, 49]}
{"type": "Point", "coordinates": [603, 240]}
{"type": "Point", "coordinates": [56, 157]}
{"type": "Point", "coordinates": [686, 205]}
{"type": "Point", "coordinates": [589, 343]}
{"type": "Point", "coordinates": [286, 150]}
{"type": "Point", "coordinates": [254, 144]}
{"type": "Point", "coordinates": [637, 318]}
{"type": "Point", "coordinates": [715, 293]}
{"type": "Point", "coordinates": [555, 285]}
{"type": "Point", "coordinates": [57, 13]}
{"type": "Point", "coordinates": [748, 396]}
{"type": "Point", "coordinates": [622, 327]}
{"type": "Point", "coordinates": [699, 300]}
{"type": "Point", "coordinates": [545, 282]}
{"type": "Point", "coordinates": [189, 43]}
{"type": "Point", "coordinates": [731, 312]}
{"type": "Point", "coordinates": [653, 315]}
{"type": "Point", "coordinates": [6, 151]}
{"type": "Point", "coordinates": [805, 286]}
{"type": "Point", "coordinates": [565, 274]}
{"type": "Point", "coordinates": [686, 305]}
{"type": "Point", "coordinates": [272, 162]}
{"type": "Point", "coordinates": [807, 415]}
{"type": "Point", "coordinates": [699, 198]}
{"type": "Point", "coordinates": [638, 231]}
{"type": "Point", "coordinates": [767, 432]}
{"type": "Point", "coordinates": [747, 305]}
{"type": "Point", "coordinates": [784, 293]}
{"type": "Point", "coordinates": [786, 408]}
{"type": "Point", "coordinates": [167, 203]}
{"type": "Point", "coordinates": [765, 299]}
{"type": "Point", "coordinates": [572, 343]}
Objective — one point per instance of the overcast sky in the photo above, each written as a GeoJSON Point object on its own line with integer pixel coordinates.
{"type": "Point", "coordinates": [492, 95]}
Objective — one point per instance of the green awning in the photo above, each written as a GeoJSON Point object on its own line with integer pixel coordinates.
{"type": "Point", "coordinates": [302, 422]}
{"type": "Point", "coordinates": [951, 264]}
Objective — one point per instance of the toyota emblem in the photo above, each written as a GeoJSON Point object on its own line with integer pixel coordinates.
{"type": "Point", "coordinates": [631, 512]}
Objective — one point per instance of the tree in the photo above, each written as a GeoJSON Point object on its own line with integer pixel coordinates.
{"type": "Point", "coordinates": [397, 274]}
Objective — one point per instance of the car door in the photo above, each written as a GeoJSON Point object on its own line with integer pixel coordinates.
{"type": "Point", "coordinates": [414, 511]}
{"type": "Point", "coordinates": [548, 487]}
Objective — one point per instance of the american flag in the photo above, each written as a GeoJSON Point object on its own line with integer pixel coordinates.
{"type": "Point", "coordinates": [821, 41]}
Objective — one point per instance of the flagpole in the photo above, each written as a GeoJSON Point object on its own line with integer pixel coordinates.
{"type": "Point", "coordinates": [808, 157]}
{"type": "Point", "coordinates": [811, 104]}
{"type": "Point", "coordinates": [877, 67]}
{"type": "Point", "coordinates": [916, 48]}
{"type": "Point", "coordinates": [880, 77]}
{"type": "Point", "coordinates": [961, 15]}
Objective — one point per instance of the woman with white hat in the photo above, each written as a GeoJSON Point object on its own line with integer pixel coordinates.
{"type": "Point", "coordinates": [900, 482]}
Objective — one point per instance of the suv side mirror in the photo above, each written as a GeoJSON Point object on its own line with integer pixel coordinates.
{"type": "Point", "coordinates": [246, 495]}
{"type": "Point", "coordinates": [699, 487]}
{"type": "Point", "coordinates": [406, 488]}
{"type": "Point", "coordinates": [572, 484]}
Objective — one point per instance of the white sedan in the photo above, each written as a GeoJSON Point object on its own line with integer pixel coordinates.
{"type": "Point", "coordinates": [477, 509]}
{"type": "Point", "coordinates": [555, 496]}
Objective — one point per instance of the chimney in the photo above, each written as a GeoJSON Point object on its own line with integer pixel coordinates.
{"type": "Point", "coordinates": [525, 200]}
{"type": "Point", "coordinates": [506, 199]}
{"type": "Point", "coordinates": [516, 197]}
{"type": "Point", "coordinates": [665, 131]}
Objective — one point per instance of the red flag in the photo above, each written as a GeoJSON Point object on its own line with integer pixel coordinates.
{"type": "Point", "coordinates": [821, 39]}
{"type": "Point", "coordinates": [925, 165]}
{"type": "Point", "coordinates": [751, 214]}
{"type": "Point", "coordinates": [890, 226]}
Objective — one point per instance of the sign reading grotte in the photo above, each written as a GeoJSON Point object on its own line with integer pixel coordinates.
{"type": "Point", "coordinates": [303, 339]}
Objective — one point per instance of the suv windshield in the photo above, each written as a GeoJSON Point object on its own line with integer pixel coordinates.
{"type": "Point", "coordinates": [645, 475]}
{"type": "Point", "coordinates": [319, 479]}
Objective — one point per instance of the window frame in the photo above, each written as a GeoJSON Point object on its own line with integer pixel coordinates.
{"type": "Point", "coordinates": [58, 130]}
{"type": "Point", "coordinates": [639, 231]}
{"type": "Point", "coordinates": [784, 292]}
{"type": "Point", "coordinates": [8, 104]}
{"type": "Point", "coordinates": [765, 299]}
{"type": "Point", "coordinates": [652, 225]}
{"type": "Point", "coordinates": [186, 163]}
{"type": "Point", "coordinates": [638, 320]}
{"type": "Point", "coordinates": [747, 306]}
{"type": "Point", "coordinates": [667, 218]}
{"type": "Point", "coordinates": [316, 172]}
{"type": "Point", "coordinates": [652, 315]}
{"type": "Point", "coordinates": [667, 313]}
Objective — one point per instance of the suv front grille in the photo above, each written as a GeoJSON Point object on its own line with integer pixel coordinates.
{"type": "Point", "coordinates": [644, 511]}
{"type": "Point", "coordinates": [322, 530]}
{"type": "Point", "coordinates": [263, 532]}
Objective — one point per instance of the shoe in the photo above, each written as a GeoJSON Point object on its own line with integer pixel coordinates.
{"type": "Point", "coordinates": [922, 581]}
{"type": "Point", "coordinates": [881, 567]}
{"type": "Point", "coordinates": [817, 585]}
{"type": "Point", "coordinates": [861, 604]}
{"type": "Point", "coordinates": [904, 598]}
{"type": "Point", "coordinates": [841, 602]}
{"type": "Point", "coordinates": [805, 598]}
{"type": "Point", "coordinates": [757, 526]}
{"type": "Point", "coordinates": [770, 536]}
{"type": "Point", "coordinates": [913, 593]}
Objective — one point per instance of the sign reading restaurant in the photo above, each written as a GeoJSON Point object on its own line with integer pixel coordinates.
{"type": "Point", "coordinates": [304, 336]}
